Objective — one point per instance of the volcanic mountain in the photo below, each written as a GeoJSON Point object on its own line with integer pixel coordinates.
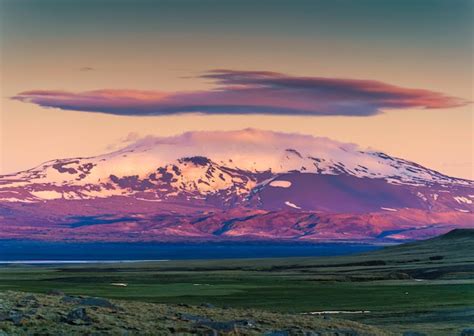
{"type": "Point", "coordinates": [235, 185]}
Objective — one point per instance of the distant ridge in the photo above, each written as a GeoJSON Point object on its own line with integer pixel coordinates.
{"type": "Point", "coordinates": [458, 233]}
{"type": "Point", "coordinates": [455, 244]}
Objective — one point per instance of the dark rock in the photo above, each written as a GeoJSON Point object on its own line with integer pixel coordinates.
{"type": "Point", "coordinates": [197, 160]}
{"type": "Point", "coordinates": [91, 301]}
{"type": "Point", "coordinates": [220, 326]}
{"type": "Point", "coordinates": [312, 333]}
{"type": "Point", "coordinates": [27, 301]}
{"type": "Point", "coordinates": [437, 257]}
{"type": "Point", "coordinates": [345, 333]}
{"type": "Point", "coordinates": [208, 305]}
{"type": "Point", "coordinates": [16, 317]}
{"type": "Point", "coordinates": [77, 316]}
{"type": "Point", "coordinates": [178, 330]}
{"type": "Point", "coordinates": [277, 333]}
{"type": "Point", "coordinates": [207, 332]}
{"type": "Point", "coordinates": [97, 302]}
{"type": "Point", "coordinates": [467, 332]}
{"type": "Point", "coordinates": [3, 316]}
{"type": "Point", "coordinates": [397, 275]}
{"type": "Point", "coordinates": [31, 311]}
{"type": "Point", "coordinates": [30, 298]}
{"type": "Point", "coordinates": [245, 323]}
{"type": "Point", "coordinates": [55, 292]}
{"type": "Point", "coordinates": [193, 318]}
{"type": "Point", "coordinates": [78, 313]}
{"type": "Point", "coordinates": [413, 333]}
{"type": "Point", "coordinates": [70, 299]}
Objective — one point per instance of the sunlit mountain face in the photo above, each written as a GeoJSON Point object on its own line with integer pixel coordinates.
{"type": "Point", "coordinates": [236, 185]}
{"type": "Point", "coordinates": [213, 120]}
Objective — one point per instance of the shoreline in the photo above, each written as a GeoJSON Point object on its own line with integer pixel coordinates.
{"type": "Point", "coordinates": [54, 262]}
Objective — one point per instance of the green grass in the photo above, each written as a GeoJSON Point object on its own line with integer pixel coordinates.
{"type": "Point", "coordinates": [383, 282]}
{"type": "Point", "coordinates": [278, 292]}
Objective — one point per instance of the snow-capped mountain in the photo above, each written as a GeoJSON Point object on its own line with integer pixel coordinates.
{"type": "Point", "coordinates": [199, 164]}
{"type": "Point", "coordinates": [218, 172]}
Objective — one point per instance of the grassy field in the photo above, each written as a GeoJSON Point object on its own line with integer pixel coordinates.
{"type": "Point", "coordinates": [425, 286]}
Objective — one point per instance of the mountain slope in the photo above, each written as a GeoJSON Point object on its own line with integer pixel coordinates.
{"type": "Point", "coordinates": [249, 184]}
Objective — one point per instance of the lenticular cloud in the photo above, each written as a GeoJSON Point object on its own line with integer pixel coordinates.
{"type": "Point", "coordinates": [251, 92]}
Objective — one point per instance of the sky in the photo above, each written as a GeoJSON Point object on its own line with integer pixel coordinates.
{"type": "Point", "coordinates": [80, 78]}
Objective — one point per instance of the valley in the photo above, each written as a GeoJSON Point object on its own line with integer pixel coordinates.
{"type": "Point", "coordinates": [423, 286]}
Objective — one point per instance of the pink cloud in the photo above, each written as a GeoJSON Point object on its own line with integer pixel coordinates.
{"type": "Point", "coordinates": [251, 92]}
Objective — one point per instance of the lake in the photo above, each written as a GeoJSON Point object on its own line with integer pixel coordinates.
{"type": "Point", "coordinates": [27, 251]}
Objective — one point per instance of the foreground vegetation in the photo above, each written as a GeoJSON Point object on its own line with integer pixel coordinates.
{"type": "Point", "coordinates": [59, 314]}
{"type": "Point", "coordinates": [424, 286]}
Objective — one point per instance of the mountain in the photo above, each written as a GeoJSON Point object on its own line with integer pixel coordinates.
{"type": "Point", "coordinates": [248, 184]}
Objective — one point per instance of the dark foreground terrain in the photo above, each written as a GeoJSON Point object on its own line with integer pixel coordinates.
{"type": "Point", "coordinates": [58, 314]}
{"type": "Point", "coordinates": [418, 288]}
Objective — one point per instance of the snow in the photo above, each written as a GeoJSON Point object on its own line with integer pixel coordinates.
{"type": "Point", "coordinates": [422, 196]}
{"type": "Point", "coordinates": [148, 200]}
{"type": "Point", "coordinates": [254, 150]}
{"type": "Point", "coordinates": [248, 150]}
{"type": "Point", "coordinates": [119, 284]}
{"type": "Point", "coordinates": [47, 194]}
{"type": "Point", "coordinates": [13, 184]}
{"type": "Point", "coordinates": [103, 193]}
{"type": "Point", "coordinates": [388, 209]}
{"type": "Point", "coordinates": [280, 184]}
{"type": "Point", "coordinates": [461, 199]}
{"type": "Point", "coordinates": [462, 210]}
{"type": "Point", "coordinates": [322, 312]}
{"type": "Point", "coordinates": [13, 199]}
{"type": "Point", "coordinates": [293, 205]}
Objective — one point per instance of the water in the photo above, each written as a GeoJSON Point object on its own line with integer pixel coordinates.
{"type": "Point", "coordinates": [51, 252]}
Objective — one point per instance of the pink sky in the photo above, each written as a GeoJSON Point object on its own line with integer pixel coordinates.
{"type": "Point", "coordinates": [403, 86]}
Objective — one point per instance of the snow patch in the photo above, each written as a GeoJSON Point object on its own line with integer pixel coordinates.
{"type": "Point", "coordinates": [388, 209]}
{"type": "Point", "coordinates": [293, 205]}
{"type": "Point", "coordinates": [47, 194]}
{"type": "Point", "coordinates": [420, 195]}
{"type": "Point", "coordinates": [13, 199]}
{"type": "Point", "coordinates": [323, 312]}
{"type": "Point", "coordinates": [461, 199]}
{"type": "Point", "coordinates": [148, 200]}
{"type": "Point", "coordinates": [280, 184]}
{"type": "Point", "coordinates": [119, 284]}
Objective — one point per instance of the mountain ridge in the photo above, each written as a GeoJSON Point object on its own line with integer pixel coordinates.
{"type": "Point", "coordinates": [267, 185]}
